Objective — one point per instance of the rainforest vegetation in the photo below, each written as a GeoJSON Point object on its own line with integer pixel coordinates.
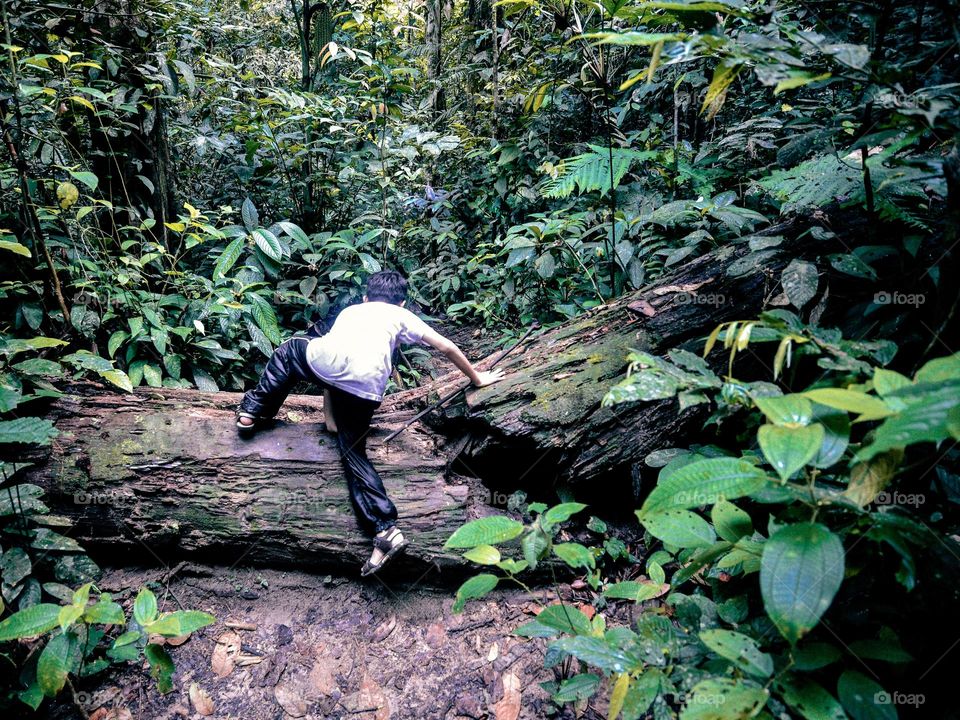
{"type": "Point", "coordinates": [727, 449]}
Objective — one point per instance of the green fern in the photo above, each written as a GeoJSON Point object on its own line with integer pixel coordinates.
{"type": "Point", "coordinates": [592, 171]}
{"type": "Point", "coordinates": [898, 191]}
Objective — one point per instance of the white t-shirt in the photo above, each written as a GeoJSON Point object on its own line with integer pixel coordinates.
{"type": "Point", "coordinates": [357, 354]}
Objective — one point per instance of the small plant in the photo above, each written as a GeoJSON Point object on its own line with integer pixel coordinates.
{"type": "Point", "coordinates": [59, 644]}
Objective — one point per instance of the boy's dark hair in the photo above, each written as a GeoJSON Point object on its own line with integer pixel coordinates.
{"type": "Point", "coordinates": [387, 286]}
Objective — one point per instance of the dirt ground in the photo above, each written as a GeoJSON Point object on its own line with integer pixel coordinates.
{"type": "Point", "coordinates": [324, 647]}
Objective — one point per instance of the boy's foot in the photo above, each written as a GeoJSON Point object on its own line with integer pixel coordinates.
{"type": "Point", "coordinates": [246, 423]}
{"type": "Point", "coordinates": [386, 544]}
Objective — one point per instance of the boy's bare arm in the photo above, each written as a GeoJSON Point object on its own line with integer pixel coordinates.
{"type": "Point", "coordinates": [456, 356]}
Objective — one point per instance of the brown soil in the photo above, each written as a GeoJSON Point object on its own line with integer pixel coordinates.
{"type": "Point", "coordinates": [335, 648]}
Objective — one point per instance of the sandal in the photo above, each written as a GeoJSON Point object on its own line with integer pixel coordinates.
{"type": "Point", "coordinates": [386, 544]}
{"type": "Point", "coordinates": [243, 428]}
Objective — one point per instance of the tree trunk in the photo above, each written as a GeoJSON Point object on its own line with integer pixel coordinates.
{"type": "Point", "coordinates": [162, 472]}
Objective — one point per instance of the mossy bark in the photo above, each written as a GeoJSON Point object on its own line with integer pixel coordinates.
{"type": "Point", "coordinates": [162, 472]}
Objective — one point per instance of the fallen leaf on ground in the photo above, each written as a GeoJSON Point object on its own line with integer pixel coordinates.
{"type": "Point", "coordinates": [372, 696]}
{"type": "Point", "coordinates": [384, 629]}
{"type": "Point", "coordinates": [200, 700]}
{"type": "Point", "coordinates": [178, 640]}
{"type": "Point", "coordinates": [508, 708]}
{"type": "Point", "coordinates": [494, 652]}
{"type": "Point", "coordinates": [322, 676]}
{"type": "Point", "coordinates": [290, 698]}
{"type": "Point", "coordinates": [225, 654]}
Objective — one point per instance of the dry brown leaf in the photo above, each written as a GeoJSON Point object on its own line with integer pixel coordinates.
{"type": "Point", "coordinates": [371, 695]}
{"type": "Point", "coordinates": [291, 699]}
{"type": "Point", "coordinates": [384, 629]}
{"type": "Point", "coordinates": [200, 700]}
{"type": "Point", "coordinates": [588, 610]}
{"type": "Point", "coordinates": [225, 653]}
{"type": "Point", "coordinates": [494, 652]}
{"type": "Point", "coordinates": [642, 307]}
{"type": "Point", "coordinates": [178, 640]}
{"type": "Point", "coordinates": [508, 708]}
{"type": "Point", "coordinates": [322, 676]}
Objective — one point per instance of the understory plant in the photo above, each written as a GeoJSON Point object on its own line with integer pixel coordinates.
{"type": "Point", "coordinates": [758, 545]}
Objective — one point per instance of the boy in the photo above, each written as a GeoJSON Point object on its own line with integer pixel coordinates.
{"type": "Point", "coordinates": [352, 364]}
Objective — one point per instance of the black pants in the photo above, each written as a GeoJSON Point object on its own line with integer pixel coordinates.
{"type": "Point", "coordinates": [352, 415]}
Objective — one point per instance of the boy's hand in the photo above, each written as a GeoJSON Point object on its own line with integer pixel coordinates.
{"type": "Point", "coordinates": [488, 377]}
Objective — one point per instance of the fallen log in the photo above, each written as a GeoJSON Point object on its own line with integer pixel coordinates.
{"type": "Point", "coordinates": [162, 472]}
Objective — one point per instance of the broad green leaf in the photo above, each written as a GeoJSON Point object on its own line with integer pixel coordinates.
{"type": "Point", "coordinates": [730, 522]}
{"type": "Point", "coordinates": [723, 699]}
{"type": "Point", "coordinates": [866, 406]}
{"type": "Point", "coordinates": [578, 687]}
{"type": "Point", "coordinates": [268, 243]}
{"type": "Point", "coordinates": [483, 555]}
{"type": "Point", "coordinates": [55, 663]}
{"type": "Point", "coordinates": [145, 607]}
{"type": "Point", "coordinates": [786, 410]}
{"type": "Point", "coordinates": [265, 318]}
{"type": "Point", "coordinates": [929, 420]}
{"type": "Point", "coordinates": [15, 564]}
{"type": "Point", "coordinates": [249, 215]}
{"type": "Point", "coordinates": [704, 482]}
{"type": "Point", "coordinates": [161, 667]}
{"type": "Point", "coordinates": [864, 699]}
{"type": "Point", "coordinates": [575, 555]}
{"type": "Point", "coordinates": [788, 449]}
{"type": "Point", "coordinates": [45, 539]}
{"type": "Point", "coordinates": [475, 587]}
{"type": "Point", "coordinates": [679, 527]}
{"type": "Point", "coordinates": [180, 622]}
{"type": "Point", "coordinates": [87, 178]}
{"type": "Point", "coordinates": [228, 258]}
{"type": "Point", "coordinates": [598, 652]}
{"type": "Point", "coordinates": [633, 590]}
{"type": "Point", "coordinates": [836, 435]}
{"type": "Point", "coordinates": [15, 247]}
{"type": "Point", "coordinates": [564, 618]}
{"type": "Point", "coordinates": [562, 512]}
{"type": "Point", "coordinates": [800, 572]}
{"type": "Point", "coordinates": [118, 378]}
{"type": "Point", "coordinates": [105, 612]}
{"type": "Point", "coordinates": [809, 700]}
{"type": "Point", "coordinates": [35, 620]}
{"type": "Point", "coordinates": [485, 531]}
{"type": "Point", "coordinates": [739, 649]}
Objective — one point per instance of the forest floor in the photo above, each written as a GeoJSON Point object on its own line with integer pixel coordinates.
{"type": "Point", "coordinates": [328, 647]}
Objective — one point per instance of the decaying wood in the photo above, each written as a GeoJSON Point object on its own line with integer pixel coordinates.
{"type": "Point", "coordinates": [161, 474]}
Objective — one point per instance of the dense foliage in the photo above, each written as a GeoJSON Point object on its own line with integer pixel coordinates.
{"type": "Point", "coordinates": [183, 184]}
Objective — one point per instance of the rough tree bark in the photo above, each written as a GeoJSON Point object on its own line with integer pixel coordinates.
{"type": "Point", "coordinates": [162, 472]}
